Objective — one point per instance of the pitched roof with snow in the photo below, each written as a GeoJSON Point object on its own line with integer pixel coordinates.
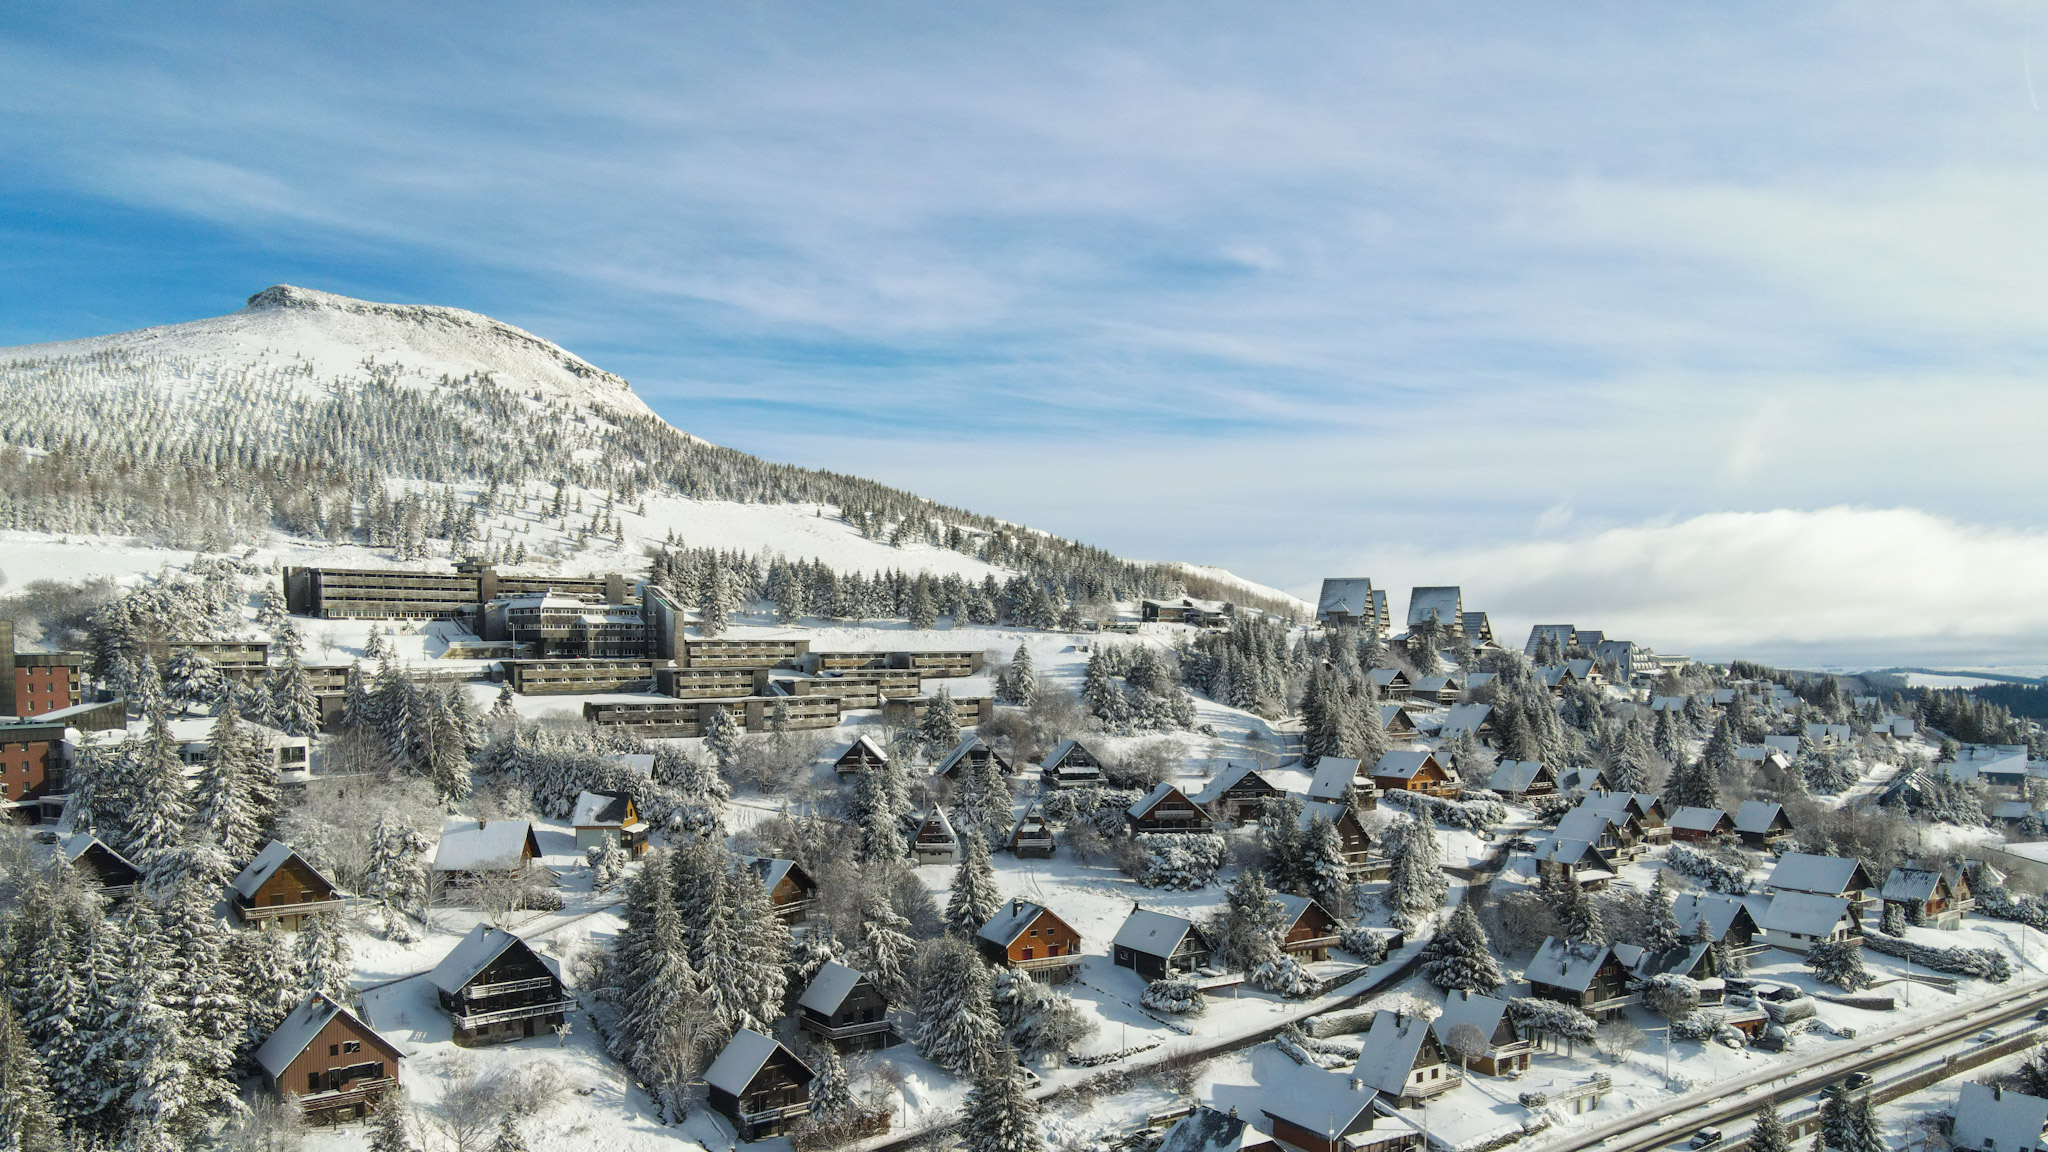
{"type": "Point", "coordinates": [1401, 764]}
{"type": "Point", "coordinates": [865, 745]}
{"type": "Point", "coordinates": [1444, 605]}
{"type": "Point", "coordinates": [1804, 913]}
{"type": "Point", "coordinates": [497, 845]}
{"type": "Point", "coordinates": [742, 1060]}
{"type": "Point", "coordinates": [1346, 595]}
{"type": "Point", "coordinates": [1721, 913]}
{"type": "Point", "coordinates": [1335, 777]}
{"type": "Point", "coordinates": [1293, 908]}
{"type": "Point", "coordinates": [1150, 800]}
{"type": "Point", "coordinates": [265, 865]}
{"type": "Point", "coordinates": [1012, 919]}
{"type": "Point", "coordinates": [938, 823]}
{"type": "Point", "coordinates": [1999, 1120]}
{"type": "Point", "coordinates": [1330, 1104]}
{"type": "Point", "coordinates": [967, 744]}
{"type": "Point", "coordinates": [1697, 819]}
{"type": "Point", "coordinates": [1153, 933]}
{"type": "Point", "coordinates": [1786, 744]}
{"type": "Point", "coordinates": [1568, 966]}
{"type": "Point", "coordinates": [772, 872]}
{"type": "Point", "coordinates": [1829, 875]}
{"type": "Point", "coordinates": [475, 953]}
{"type": "Point", "coordinates": [1514, 775]}
{"type": "Point", "coordinates": [1231, 777]}
{"type": "Point", "coordinates": [599, 810]}
{"type": "Point", "coordinates": [298, 1030]}
{"type": "Point", "coordinates": [1461, 1007]}
{"type": "Point", "coordinates": [1460, 719]}
{"type": "Point", "coordinates": [829, 988]}
{"type": "Point", "coordinates": [1757, 817]}
{"type": "Point", "coordinates": [1207, 1130]}
{"type": "Point", "coordinates": [1904, 884]}
{"type": "Point", "coordinates": [1388, 1051]}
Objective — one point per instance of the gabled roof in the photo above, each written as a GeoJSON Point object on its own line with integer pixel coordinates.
{"type": "Point", "coordinates": [1516, 775]}
{"type": "Point", "coordinates": [864, 745]}
{"type": "Point", "coordinates": [1695, 819]}
{"type": "Point", "coordinates": [1722, 913]}
{"type": "Point", "coordinates": [1806, 913]}
{"type": "Point", "coordinates": [1332, 811]}
{"type": "Point", "coordinates": [1571, 966]}
{"type": "Point", "coordinates": [1904, 884]}
{"type": "Point", "coordinates": [1589, 823]}
{"type": "Point", "coordinates": [1295, 907]}
{"type": "Point", "coordinates": [1786, 744]}
{"type": "Point", "coordinates": [1443, 604]}
{"type": "Point", "coordinates": [1388, 1051]}
{"type": "Point", "coordinates": [1681, 960]}
{"type": "Point", "coordinates": [1667, 703]}
{"type": "Point", "coordinates": [1757, 817]}
{"type": "Point", "coordinates": [1348, 595]}
{"type": "Point", "coordinates": [298, 1030]}
{"type": "Point", "coordinates": [1153, 933]}
{"type": "Point", "coordinates": [1462, 718]}
{"type": "Point", "coordinates": [1330, 1104]}
{"type": "Point", "coordinates": [1401, 764]}
{"type": "Point", "coordinates": [1829, 875]}
{"type": "Point", "coordinates": [830, 988]}
{"type": "Point", "coordinates": [967, 744]}
{"type": "Point", "coordinates": [600, 810]}
{"type": "Point", "coordinates": [497, 845]}
{"type": "Point", "coordinates": [772, 872]}
{"type": "Point", "coordinates": [1481, 1012]}
{"type": "Point", "coordinates": [265, 865]}
{"type": "Point", "coordinates": [1581, 780]}
{"type": "Point", "coordinates": [1013, 918]}
{"type": "Point", "coordinates": [1434, 685]}
{"type": "Point", "coordinates": [742, 1060]}
{"type": "Point", "coordinates": [78, 844]}
{"type": "Point", "coordinates": [1057, 758]}
{"type": "Point", "coordinates": [1572, 853]}
{"type": "Point", "coordinates": [1335, 777]}
{"type": "Point", "coordinates": [1385, 677]}
{"type": "Point", "coordinates": [937, 816]}
{"type": "Point", "coordinates": [1143, 806]}
{"type": "Point", "coordinates": [1999, 1119]}
{"type": "Point", "coordinates": [475, 953]}
{"type": "Point", "coordinates": [1034, 816]}
{"type": "Point", "coordinates": [1562, 633]}
{"type": "Point", "coordinates": [1230, 778]}
{"type": "Point", "coordinates": [1389, 713]}
{"type": "Point", "coordinates": [1207, 1130]}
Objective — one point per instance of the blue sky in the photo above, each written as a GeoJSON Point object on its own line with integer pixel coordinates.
{"type": "Point", "coordinates": [1510, 295]}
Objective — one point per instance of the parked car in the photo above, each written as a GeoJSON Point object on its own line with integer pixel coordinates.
{"type": "Point", "coordinates": [1987, 1036]}
{"type": "Point", "coordinates": [1855, 1080]}
{"type": "Point", "coordinates": [2041, 1014]}
{"type": "Point", "coordinates": [1706, 1138]}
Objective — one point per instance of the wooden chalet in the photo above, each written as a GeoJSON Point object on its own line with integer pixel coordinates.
{"type": "Point", "coordinates": [1030, 938]}
{"type": "Point", "coordinates": [1157, 945]}
{"type": "Point", "coordinates": [608, 818]}
{"type": "Point", "coordinates": [324, 1061]}
{"type": "Point", "coordinates": [790, 889]}
{"type": "Point", "coordinates": [280, 889]}
{"type": "Point", "coordinates": [972, 753]}
{"type": "Point", "coordinates": [1693, 960]}
{"type": "Point", "coordinates": [1727, 918]}
{"type": "Point", "coordinates": [863, 755]}
{"type": "Point", "coordinates": [101, 868]}
{"type": "Point", "coordinates": [1031, 836]}
{"type": "Point", "coordinates": [1342, 780]}
{"type": "Point", "coordinates": [1391, 682]}
{"type": "Point", "coordinates": [497, 989]}
{"type": "Point", "coordinates": [1402, 1058]}
{"type": "Point", "coordinates": [1615, 834]}
{"type": "Point", "coordinates": [472, 848]}
{"type": "Point", "coordinates": [1070, 765]}
{"type": "Point", "coordinates": [1931, 896]}
{"type": "Point", "coordinates": [1310, 930]}
{"type": "Point", "coordinates": [843, 1008]}
{"type": "Point", "coordinates": [1316, 1110]}
{"type": "Point", "coordinates": [1820, 875]}
{"type": "Point", "coordinates": [1399, 725]}
{"type": "Point", "coordinates": [1413, 771]}
{"type": "Point", "coordinates": [1763, 824]}
{"type": "Point", "coordinates": [1505, 1050]}
{"type": "Point", "coordinates": [1238, 795]}
{"type": "Point", "coordinates": [1361, 861]}
{"type": "Point", "coordinates": [1167, 809]}
{"type": "Point", "coordinates": [1207, 1130]}
{"type": "Point", "coordinates": [1463, 719]}
{"type": "Point", "coordinates": [1437, 689]}
{"type": "Point", "coordinates": [1522, 779]}
{"type": "Point", "coordinates": [1694, 825]}
{"type": "Point", "coordinates": [1647, 812]}
{"type": "Point", "coordinates": [759, 1085]}
{"type": "Point", "coordinates": [936, 842]}
{"type": "Point", "coordinates": [1590, 977]}
{"type": "Point", "coordinates": [1573, 861]}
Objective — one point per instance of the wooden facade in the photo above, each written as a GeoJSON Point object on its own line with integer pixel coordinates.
{"type": "Point", "coordinates": [1031, 938]}
{"type": "Point", "coordinates": [844, 1008]}
{"type": "Point", "coordinates": [759, 1085]}
{"type": "Point", "coordinates": [1167, 809]}
{"type": "Point", "coordinates": [496, 989]}
{"type": "Point", "coordinates": [327, 1063]}
{"type": "Point", "coordinates": [279, 889]}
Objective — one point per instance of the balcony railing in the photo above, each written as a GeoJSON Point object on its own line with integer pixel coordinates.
{"type": "Point", "coordinates": [845, 1031]}
{"type": "Point", "coordinates": [1038, 963]}
{"type": "Point", "coordinates": [524, 1011]}
{"type": "Point", "coordinates": [780, 1112]}
{"type": "Point", "coordinates": [1450, 1079]}
{"type": "Point", "coordinates": [796, 909]}
{"type": "Point", "coordinates": [273, 911]}
{"type": "Point", "coordinates": [355, 1092]}
{"type": "Point", "coordinates": [506, 988]}
{"type": "Point", "coordinates": [1309, 944]}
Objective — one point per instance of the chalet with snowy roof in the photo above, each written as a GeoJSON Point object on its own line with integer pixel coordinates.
{"type": "Point", "coordinates": [1646, 809]}
{"type": "Point", "coordinates": [1028, 937]}
{"type": "Point", "coordinates": [1789, 745]}
{"type": "Point", "coordinates": [1581, 781]}
{"type": "Point", "coordinates": [1207, 1130]}
{"type": "Point", "coordinates": [1820, 875]}
{"type": "Point", "coordinates": [1478, 629]}
{"type": "Point", "coordinates": [610, 819]}
{"type": "Point", "coordinates": [1348, 602]}
{"type": "Point", "coordinates": [1796, 921]}
{"type": "Point", "coordinates": [1070, 765]}
{"type": "Point", "coordinates": [471, 848]}
{"type": "Point", "coordinates": [1443, 607]}
{"type": "Point", "coordinates": [1573, 861]}
{"type": "Point", "coordinates": [1187, 610]}
{"type": "Point", "coordinates": [497, 989]}
{"type": "Point", "coordinates": [936, 842]}
{"type": "Point", "coordinates": [325, 1061]}
{"type": "Point", "coordinates": [2004, 765]}
{"type": "Point", "coordinates": [1238, 795]}
{"type": "Point", "coordinates": [1590, 977]}
{"type": "Point", "coordinates": [1521, 779]}
{"type": "Point", "coordinates": [1614, 833]}
{"type": "Point", "coordinates": [759, 1085]}
{"type": "Point", "coordinates": [1402, 1058]}
{"type": "Point", "coordinates": [1156, 945]}
{"type": "Point", "coordinates": [1994, 1119]}
{"type": "Point", "coordinates": [1361, 861]}
{"type": "Point", "coordinates": [1931, 896]}
{"type": "Point", "coordinates": [99, 867]}
{"type": "Point", "coordinates": [1728, 920]}
{"type": "Point", "coordinates": [1436, 689]}
{"type": "Point", "coordinates": [1763, 824]}
{"type": "Point", "coordinates": [1413, 771]}
{"type": "Point", "coordinates": [1696, 825]}
{"type": "Point", "coordinates": [1693, 960]}
{"type": "Point", "coordinates": [1031, 836]}
{"type": "Point", "coordinates": [1167, 809]}
{"type": "Point", "coordinates": [971, 752]}
{"type": "Point", "coordinates": [1504, 1052]}
{"type": "Point", "coordinates": [1829, 733]}
{"type": "Point", "coordinates": [1897, 727]}
{"type": "Point", "coordinates": [1316, 1110]}
{"type": "Point", "coordinates": [281, 889]}
{"type": "Point", "coordinates": [1342, 780]}
{"type": "Point", "coordinates": [843, 1008]}
{"type": "Point", "coordinates": [1540, 634]}
{"type": "Point", "coordinates": [1399, 725]}
{"type": "Point", "coordinates": [1310, 931]}
{"type": "Point", "coordinates": [1668, 703]}
{"type": "Point", "coordinates": [1391, 682]}
{"type": "Point", "coordinates": [791, 891]}
{"type": "Point", "coordinates": [863, 755]}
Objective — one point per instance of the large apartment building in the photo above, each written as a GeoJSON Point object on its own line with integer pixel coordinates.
{"type": "Point", "coordinates": [378, 594]}
{"type": "Point", "coordinates": [32, 683]}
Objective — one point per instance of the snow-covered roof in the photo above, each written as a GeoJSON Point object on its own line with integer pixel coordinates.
{"type": "Point", "coordinates": [265, 865]}
{"type": "Point", "coordinates": [1057, 758]}
{"type": "Point", "coordinates": [1681, 960]}
{"type": "Point", "coordinates": [298, 1030]}
{"type": "Point", "coordinates": [1721, 913]}
{"type": "Point", "coordinates": [1538, 633]}
{"type": "Point", "coordinates": [1441, 604]}
{"type": "Point", "coordinates": [1335, 777]}
{"type": "Point", "coordinates": [1568, 966]}
{"type": "Point", "coordinates": [1829, 875]}
{"type": "Point", "coordinates": [772, 872]}
{"type": "Point", "coordinates": [1514, 775]}
{"type": "Point", "coordinates": [1572, 852]}
{"type": "Point", "coordinates": [1999, 1120]}
{"type": "Point", "coordinates": [945, 825]}
{"type": "Point", "coordinates": [1757, 816]}
{"type": "Point", "coordinates": [1293, 908]}
{"type": "Point", "coordinates": [1434, 685]}
{"type": "Point", "coordinates": [1151, 800]}
{"type": "Point", "coordinates": [469, 845]}
{"type": "Point", "coordinates": [1385, 677]}
{"type": "Point", "coordinates": [71, 847]}
{"type": "Point", "coordinates": [474, 954]}
{"type": "Point", "coordinates": [1786, 744]}
{"type": "Point", "coordinates": [1462, 1007]}
{"type": "Point", "coordinates": [599, 810]}
{"type": "Point", "coordinates": [1588, 824]}
{"type": "Point", "coordinates": [1667, 703]}
{"type": "Point", "coordinates": [968, 743]}
{"type": "Point", "coordinates": [1011, 920]}
{"type": "Point", "coordinates": [829, 988]}
{"type": "Point", "coordinates": [1315, 810]}
{"type": "Point", "coordinates": [1348, 595]}
{"type": "Point", "coordinates": [1696, 819]}
{"type": "Point", "coordinates": [1153, 933]}
{"type": "Point", "coordinates": [1388, 1050]}
{"type": "Point", "coordinates": [1460, 719]}
{"type": "Point", "coordinates": [1806, 913]}
{"type": "Point", "coordinates": [1581, 780]}
{"type": "Point", "coordinates": [1403, 764]}
{"type": "Point", "coordinates": [1324, 1102]}
{"type": "Point", "coordinates": [1207, 1130]}
{"type": "Point", "coordinates": [1905, 884]}
{"type": "Point", "coordinates": [1229, 778]}
{"type": "Point", "coordinates": [742, 1060]}
{"type": "Point", "coordinates": [868, 744]}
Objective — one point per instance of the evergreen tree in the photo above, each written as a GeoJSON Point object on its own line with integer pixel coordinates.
{"type": "Point", "coordinates": [764, 945]}
{"type": "Point", "coordinates": [322, 957]}
{"type": "Point", "coordinates": [886, 950]}
{"type": "Point", "coordinates": [1019, 684]}
{"type": "Point", "coordinates": [157, 809]}
{"type": "Point", "coordinates": [261, 970]}
{"type": "Point", "coordinates": [226, 812]}
{"type": "Point", "coordinates": [832, 1101]}
{"type": "Point", "coordinates": [1692, 785]}
{"type": "Point", "coordinates": [939, 730]}
{"type": "Point", "coordinates": [1838, 963]}
{"type": "Point", "coordinates": [27, 1122]}
{"type": "Point", "coordinates": [1416, 884]}
{"type": "Point", "coordinates": [201, 992]}
{"type": "Point", "coordinates": [398, 878]}
{"type": "Point", "coordinates": [1768, 1133]}
{"type": "Point", "coordinates": [881, 838]}
{"type": "Point", "coordinates": [1625, 773]}
{"type": "Point", "coordinates": [714, 599]}
{"type": "Point", "coordinates": [1576, 912]}
{"type": "Point", "coordinates": [1460, 957]}
{"type": "Point", "coordinates": [921, 613]}
{"type": "Point", "coordinates": [1324, 869]}
{"type": "Point", "coordinates": [1667, 739]}
{"type": "Point", "coordinates": [509, 1138]}
{"type": "Point", "coordinates": [723, 739]}
{"type": "Point", "coordinates": [1103, 696]}
{"type": "Point", "coordinates": [292, 705]}
{"type": "Point", "coordinates": [1660, 926]}
{"type": "Point", "coordinates": [983, 805]}
{"type": "Point", "coordinates": [956, 1027]}
{"type": "Point", "coordinates": [1252, 922]}
{"type": "Point", "coordinates": [389, 1130]}
{"type": "Point", "coordinates": [1866, 1134]}
{"type": "Point", "coordinates": [974, 897]}
{"type": "Point", "coordinates": [1838, 1120]}
{"type": "Point", "coordinates": [141, 1048]}
{"type": "Point", "coordinates": [503, 709]}
{"type": "Point", "coordinates": [1036, 1020]}
{"type": "Point", "coordinates": [1001, 1116]}
{"type": "Point", "coordinates": [356, 709]}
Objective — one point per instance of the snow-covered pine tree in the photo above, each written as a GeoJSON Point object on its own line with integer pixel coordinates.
{"type": "Point", "coordinates": [983, 802]}
{"type": "Point", "coordinates": [357, 711]}
{"type": "Point", "coordinates": [764, 946]}
{"type": "Point", "coordinates": [1692, 785]}
{"type": "Point", "coordinates": [1838, 963]}
{"type": "Point", "coordinates": [1251, 923]}
{"type": "Point", "coordinates": [921, 613]}
{"type": "Point", "coordinates": [1416, 884]}
{"type": "Point", "coordinates": [1576, 912]}
{"type": "Point", "coordinates": [1837, 1119]}
{"type": "Point", "coordinates": [1625, 773]}
{"type": "Point", "coordinates": [956, 1027]}
{"type": "Point", "coordinates": [261, 969]}
{"type": "Point", "coordinates": [1460, 957]}
{"type": "Point", "coordinates": [1660, 926]}
{"type": "Point", "coordinates": [390, 1127]}
{"type": "Point", "coordinates": [1036, 1020]}
{"type": "Point", "coordinates": [321, 957]}
{"type": "Point", "coordinates": [832, 1102]}
{"type": "Point", "coordinates": [398, 877]}
{"type": "Point", "coordinates": [664, 1029]}
{"type": "Point", "coordinates": [502, 709]}
{"type": "Point", "coordinates": [1323, 868]}
{"type": "Point", "coordinates": [939, 730]}
{"type": "Point", "coordinates": [1104, 696]}
{"type": "Point", "coordinates": [226, 812]}
{"type": "Point", "coordinates": [886, 949]}
{"type": "Point", "coordinates": [714, 598]}
{"type": "Point", "coordinates": [723, 740]}
{"type": "Point", "coordinates": [157, 810]}
{"type": "Point", "coordinates": [1866, 1133]}
{"type": "Point", "coordinates": [200, 991]}
{"type": "Point", "coordinates": [27, 1121]}
{"type": "Point", "coordinates": [1280, 837]}
{"type": "Point", "coordinates": [1019, 684]}
{"type": "Point", "coordinates": [292, 706]}
{"type": "Point", "coordinates": [974, 898]}
{"type": "Point", "coordinates": [140, 1049]}
{"type": "Point", "coordinates": [1001, 1115]}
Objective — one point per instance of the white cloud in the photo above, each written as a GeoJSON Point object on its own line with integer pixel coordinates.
{"type": "Point", "coordinates": [1841, 585]}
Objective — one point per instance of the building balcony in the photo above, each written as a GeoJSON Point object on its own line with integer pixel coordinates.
{"type": "Point", "coordinates": [845, 1031]}
{"type": "Point", "coordinates": [260, 914]}
{"type": "Point", "coordinates": [472, 1021]}
{"type": "Point", "coordinates": [1428, 1088]}
{"type": "Point", "coordinates": [1309, 945]}
{"type": "Point", "coordinates": [507, 988]}
{"type": "Point", "coordinates": [796, 909]}
{"type": "Point", "coordinates": [356, 1092]}
{"type": "Point", "coordinates": [771, 1115]}
{"type": "Point", "coordinates": [1043, 963]}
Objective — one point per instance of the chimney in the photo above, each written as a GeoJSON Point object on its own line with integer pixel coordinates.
{"type": "Point", "coordinates": [1016, 905]}
{"type": "Point", "coordinates": [1357, 1085]}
